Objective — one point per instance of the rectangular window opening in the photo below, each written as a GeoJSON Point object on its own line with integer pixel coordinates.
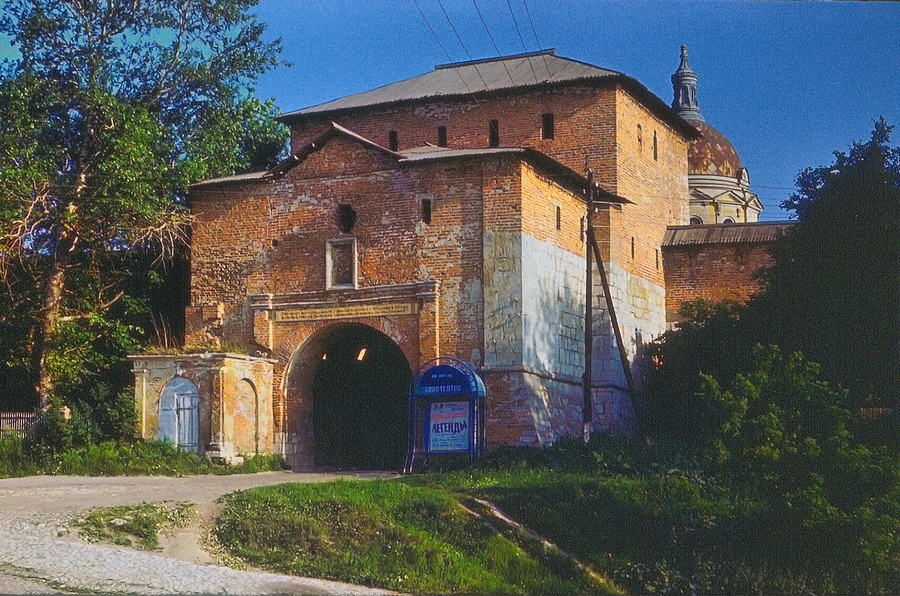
{"type": "Point", "coordinates": [442, 136]}
{"type": "Point", "coordinates": [582, 228]}
{"type": "Point", "coordinates": [632, 247]}
{"type": "Point", "coordinates": [426, 211]}
{"type": "Point", "coordinates": [558, 218]}
{"type": "Point", "coordinates": [657, 259]}
{"type": "Point", "coordinates": [393, 141]}
{"type": "Point", "coordinates": [547, 127]}
{"type": "Point", "coordinates": [494, 133]}
{"type": "Point", "coordinates": [340, 263]}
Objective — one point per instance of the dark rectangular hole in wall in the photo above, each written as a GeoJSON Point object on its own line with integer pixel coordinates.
{"type": "Point", "coordinates": [346, 218]}
{"type": "Point", "coordinates": [547, 127]}
{"type": "Point", "coordinates": [442, 136]}
{"type": "Point", "coordinates": [393, 141]}
{"type": "Point", "coordinates": [342, 265]}
{"type": "Point", "coordinates": [558, 218]}
{"type": "Point", "coordinates": [426, 211]}
{"type": "Point", "coordinates": [632, 247]}
{"type": "Point", "coordinates": [494, 133]}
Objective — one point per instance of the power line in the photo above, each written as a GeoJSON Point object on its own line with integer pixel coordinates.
{"type": "Point", "coordinates": [522, 39]}
{"type": "Point", "coordinates": [459, 38]}
{"type": "Point", "coordinates": [446, 53]}
{"type": "Point", "coordinates": [483, 22]}
{"type": "Point", "coordinates": [775, 187]}
{"type": "Point", "coordinates": [537, 41]}
{"type": "Point", "coordinates": [433, 32]}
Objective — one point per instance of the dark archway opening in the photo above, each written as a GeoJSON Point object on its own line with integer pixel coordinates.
{"type": "Point", "coordinates": [360, 400]}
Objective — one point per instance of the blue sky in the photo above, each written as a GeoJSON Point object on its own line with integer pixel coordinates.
{"type": "Point", "coordinates": [788, 83]}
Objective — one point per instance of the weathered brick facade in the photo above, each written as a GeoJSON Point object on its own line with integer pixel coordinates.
{"type": "Point", "coordinates": [372, 234]}
{"type": "Point", "coordinates": [720, 262]}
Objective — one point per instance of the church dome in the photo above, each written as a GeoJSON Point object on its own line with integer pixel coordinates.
{"type": "Point", "coordinates": [713, 153]}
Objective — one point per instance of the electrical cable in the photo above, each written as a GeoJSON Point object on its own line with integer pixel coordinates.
{"type": "Point", "coordinates": [537, 41]}
{"type": "Point", "coordinates": [522, 39]}
{"type": "Point", "coordinates": [433, 32]}
{"type": "Point", "coordinates": [459, 38]}
{"type": "Point", "coordinates": [499, 54]}
{"type": "Point", "coordinates": [446, 53]}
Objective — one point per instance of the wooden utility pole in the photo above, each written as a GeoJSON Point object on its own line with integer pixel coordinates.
{"type": "Point", "coordinates": [614, 320]}
{"type": "Point", "coordinates": [588, 406]}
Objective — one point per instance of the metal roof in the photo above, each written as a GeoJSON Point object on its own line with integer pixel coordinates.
{"type": "Point", "coordinates": [465, 78]}
{"type": "Point", "coordinates": [730, 233]}
{"type": "Point", "coordinates": [236, 179]}
{"type": "Point", "coordinates": [429, 153]}
{"type": "Point", "coordinates": [478, 77]}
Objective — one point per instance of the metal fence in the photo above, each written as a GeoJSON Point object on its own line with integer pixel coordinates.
{"type": "Point", "coordinates": [16, 422]}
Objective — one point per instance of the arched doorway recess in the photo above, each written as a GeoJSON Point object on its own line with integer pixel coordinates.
{"type": "Point", "coordinates": [356, 381]}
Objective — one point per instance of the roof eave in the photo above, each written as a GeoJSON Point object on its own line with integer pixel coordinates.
{"type": "Point", "coordinates": [606, 80]}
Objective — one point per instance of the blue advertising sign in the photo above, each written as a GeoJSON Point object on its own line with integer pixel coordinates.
{"type": "Point", "coordinates": [446, 411]}
{"type": "Point", "coordinates": [445, 379]}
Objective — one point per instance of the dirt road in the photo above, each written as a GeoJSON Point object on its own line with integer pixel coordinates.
{"type": "Point", "coordinates": [40, 554]}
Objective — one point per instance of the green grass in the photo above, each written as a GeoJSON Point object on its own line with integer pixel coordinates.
{"type": "Point", "coordinates": [134, 525]}
{"type": "Point", "coordinates": [110, 458]}
{"type": "Point", "coordinates": [646, 518]}
{"type": "Point", "coordinates": [393, 535]}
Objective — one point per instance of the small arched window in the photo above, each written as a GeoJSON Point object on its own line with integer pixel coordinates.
{"type": "Point", "coordinates": [727, 220]}
{"type": "Point", "coordinates": [696, 221]}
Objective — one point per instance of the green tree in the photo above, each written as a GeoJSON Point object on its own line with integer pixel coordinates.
{"type": "Point", "coordinates": [781, 438]}
{"type": "Point", "coordinates": [109, 112]}
{"type": "Point", "coordinates": [832, 292]}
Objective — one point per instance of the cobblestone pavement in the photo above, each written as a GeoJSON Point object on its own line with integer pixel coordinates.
{"type": "Point", "coordinates": [38, 554]}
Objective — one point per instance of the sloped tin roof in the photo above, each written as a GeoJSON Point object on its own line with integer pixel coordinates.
{"type": "Point", "coordinates": [478, 77]}
{"type": "Point", "coordinates": [465, 78]}
{"type": "Point", "coordinates": [731, 233]}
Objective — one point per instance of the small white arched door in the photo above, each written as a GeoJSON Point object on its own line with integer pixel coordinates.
{"type": "Point", "coordinates": [179, 420]}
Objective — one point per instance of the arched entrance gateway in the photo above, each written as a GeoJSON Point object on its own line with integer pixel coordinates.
{"type": "Point", "coordinates": [350, 383]}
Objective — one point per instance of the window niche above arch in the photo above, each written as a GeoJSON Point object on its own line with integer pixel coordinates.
{"type": "Point", "coordinates": [340, 263]}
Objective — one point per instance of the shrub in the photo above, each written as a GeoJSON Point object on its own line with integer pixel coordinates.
{"type": "Point", "coordinates": [781, 438]}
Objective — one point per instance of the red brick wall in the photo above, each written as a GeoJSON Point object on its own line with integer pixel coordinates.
{"type": "Point", "coordinates": [235, 256]}
{"type": "Point", "coordinates": [713, 272]}
{"type": "Point", "coordinates": [584, 117]}
{"type": "Point", "coordinates": [658, 187]}
{"type": "Point", "coordinates": [597, 123]}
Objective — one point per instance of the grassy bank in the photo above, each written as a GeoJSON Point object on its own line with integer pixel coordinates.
{"type": "Point", "coordinates": [110, 458]}
{"type": "Point", "coordinates": [393, 535]}
{"type": "Point", "coordinates": [646, 519]}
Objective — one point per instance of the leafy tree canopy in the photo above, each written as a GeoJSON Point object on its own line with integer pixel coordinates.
{"type": "Point", "coordinates": [108, 114]}
{"type": "Point", "coordinates": [832, 292]}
